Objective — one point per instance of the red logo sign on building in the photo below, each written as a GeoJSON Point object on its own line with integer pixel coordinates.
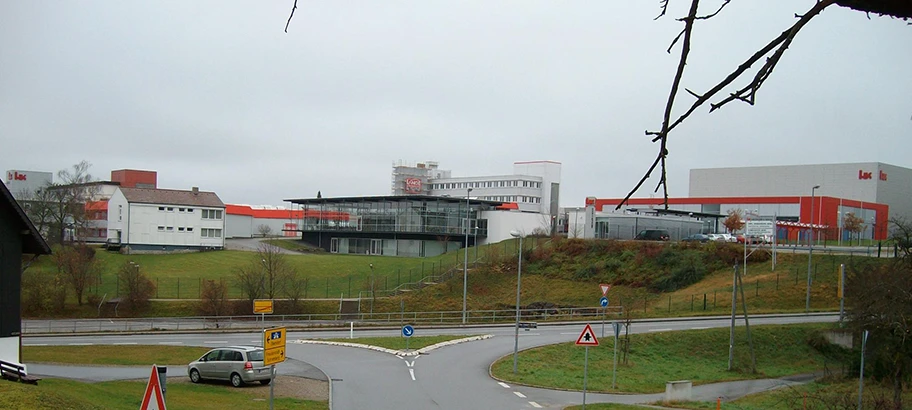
{"type": "Point", "coordinates": [862, 174]}
{"type": "Point", "coordinates": [412, 185]}
{"type": "Point", "coordinates": [15, 176]}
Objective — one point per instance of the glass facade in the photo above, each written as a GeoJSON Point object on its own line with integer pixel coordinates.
{"type": "Point", "coordinates": [421, 216]}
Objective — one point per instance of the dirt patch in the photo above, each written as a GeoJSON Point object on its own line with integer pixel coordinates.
{"type": "Point", "coordinates": [285, 386]}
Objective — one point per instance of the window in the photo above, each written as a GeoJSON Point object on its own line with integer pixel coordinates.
{"type": "Point", "coordinates": [212, 214]}
{"type": "Point", "coordinates": [180, 229]}
{"type": "Point", "coordinates": [170, 209]}
{"type": "Point", "coordinates": [189, 229]}
{"type": "Point", "coordinates": [161, 228]}
{"type": "Point", "coordinates": [210, 233]}
{"type": "Point", "coordinates": [161, 208]}
{"type": "Point", "coordinates": [190, 210]}
{"type": "Point", "coordinates": [180, 209]}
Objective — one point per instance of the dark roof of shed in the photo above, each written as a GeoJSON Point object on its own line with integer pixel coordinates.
{"type": "Point", "coordinates": [392, 198]}
{"type": "Point", "coordinates": [172, 197]}
{"type": "Point", "coordinates": [32, 241]}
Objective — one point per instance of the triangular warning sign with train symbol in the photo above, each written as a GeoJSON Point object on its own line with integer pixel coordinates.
{"type": "Point", "coordinates": [587, 337]}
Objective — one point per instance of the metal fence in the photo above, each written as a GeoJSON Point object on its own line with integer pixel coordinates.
{"type": "Point", "coordinates": [253, 322]}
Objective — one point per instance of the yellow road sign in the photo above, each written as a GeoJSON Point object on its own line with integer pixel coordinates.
{"type": "Point", "coordinates": [273, 356]}
{"type": "Point", "coordinates": [262, 306]}
{"type": "Point", "coordinates": [273, 338]}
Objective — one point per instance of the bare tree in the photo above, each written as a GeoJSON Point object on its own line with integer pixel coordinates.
{"type": "Point", "coordinates": [264, 230]}
{"type": "Point", "coordinates": [214, 298]}
{"type": "Point", "coordinates": [58, 209]}
{"type": "Point", "coordinates": [77, 264]}
{"type": "Point", "coordinates": [734, 221]}
{"type": "Point", "coordinates": [295, 287]}
{"type": "Point", "coordinates": [135, 287]}
{"type": "Point", "coordinates": [249, 279]}
{"type": "Point", "coordinates": [276, 270]}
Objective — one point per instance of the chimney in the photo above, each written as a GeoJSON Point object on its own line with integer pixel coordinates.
{"type": "Point", "coordinates": [195, 190]}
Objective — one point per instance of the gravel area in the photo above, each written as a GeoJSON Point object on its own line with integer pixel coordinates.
{"type": "Point", "coordinates": [285, 386]}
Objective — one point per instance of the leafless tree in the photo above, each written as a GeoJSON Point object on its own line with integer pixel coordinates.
{"type": "Point", "coordinates": [249, 278]}
{"type": "Point", "coordinates": [296, 287]}
{"type": "Point", "coordinates": [214, 298]}
{"type": "Point", "coordinates": [275, 269]}
{"type": "Point", "coordinates": [264, 230]}
{"type": "Point", "coordinates": [58, 209]}
{"type": "Point", "coordinates": [135, 287]}
{"type": "Point", "coordinates": [77, 264]}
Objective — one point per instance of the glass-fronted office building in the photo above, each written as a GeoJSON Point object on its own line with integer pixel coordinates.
{"type": "Point", "coordinates": [412, 226]}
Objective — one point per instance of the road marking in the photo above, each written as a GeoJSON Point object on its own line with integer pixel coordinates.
{"type": "Point", "coordinates": [127, 343]}
{"type": "Point", "coordinates": [222, 342]}
{"type": "Point", "coordinates": [506, 386]}
{"type": "Point", "coordinates": [659, 330]}
{"type": "Point", "coordinates": [257, 341]}
{"type": "Point", "coordinates": [570, 333]}
{"type": "Point", "coordinates": [412, 372]}
{"type": "Point", "coordinates": [536, 405]}
{"type": "Point", "coordinates": [81, 344]}
{"type": "Point", "coordinates": [521, 396]}
{"type": "Point", "coordinates": [699, 328]}
{"type": "Point", "coordinates": [35, 344]}
{"type": "Point", "coordinates": [410, 363]}
{"type": "Point", "coordinates": [170, 343]}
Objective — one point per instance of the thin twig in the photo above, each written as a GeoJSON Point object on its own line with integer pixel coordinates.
{"type": "Point", "coordinates": [664, 5]}
{"type": "Point", "coordinates": [663, 135]}
{"type": "Point", "coordinates": [707, 17]}
{"type": "Point", "coordinates": [293, 8]}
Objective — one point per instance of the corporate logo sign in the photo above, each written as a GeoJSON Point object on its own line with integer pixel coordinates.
{"type": "Point", "coordinates": [16, 176]}
{"type": "Point", "coordinates": [863, 175]}
{"type": "Point", "coordinates": [412, 185]}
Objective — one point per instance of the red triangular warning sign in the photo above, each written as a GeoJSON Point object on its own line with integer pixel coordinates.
{"type": "Point", "coordinates": [587, 338]}
{"type": "Point", "coordinates": [153, 388]}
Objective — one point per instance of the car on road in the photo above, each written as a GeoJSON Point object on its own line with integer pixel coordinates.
{"type": "Point", "coordinates": [653, 235]}
{"type": "Point", "coordinates": [697, 237]}
{"type": "Point", "coordinates": [238, 364]}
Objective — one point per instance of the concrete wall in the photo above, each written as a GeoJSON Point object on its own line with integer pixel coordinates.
{"type": "Point", "coordinates": [9, 349]}
{"type": "Point", "coordinates": [896, 191]}
{"type": "Point", "coordinates": [500, 223]}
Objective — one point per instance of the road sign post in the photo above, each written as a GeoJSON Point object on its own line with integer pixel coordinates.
{"type": "Point", "coordinates": [407, 332]}
{"type": "Point", "coordinates": [273, 352]}
{"type": "Point", "coordinates": [603, 302]}
{"type": "Point", "coordinates": [153, 398]}
{"type": "Point", "coordinates": [617, 332]}
{"type": "Point", "coordinates": [262, 307]}
{"type": "Point", "coordinates": [586, 338]}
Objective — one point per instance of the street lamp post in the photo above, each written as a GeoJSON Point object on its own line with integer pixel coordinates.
{"type": "Point", "coordinates": [807, 299]}
{"type": "Point", "coordinates": [465, 263]}
{"type": "Point", "coordinates": [519, 235]}
{"type": "Point", "coordinates": [372, 290]}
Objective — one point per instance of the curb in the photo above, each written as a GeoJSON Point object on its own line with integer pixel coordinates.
{"type": "Point", "coordinates": [399, 353]}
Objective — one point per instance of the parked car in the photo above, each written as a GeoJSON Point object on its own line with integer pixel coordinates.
{"type": "Point", "coordinates": [112, 244]}
{"type": "Point", "coordinates": [653, 235]}
{"type": "Point", "coordinates": [237, 364]}
{"type": "Point", "coordinates": [716, 237]}
{"type": "Point", "coordinates": [697, 237]}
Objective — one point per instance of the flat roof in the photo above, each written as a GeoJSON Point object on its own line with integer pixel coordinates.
{"type": "Point", "coordinates": [392, 198]}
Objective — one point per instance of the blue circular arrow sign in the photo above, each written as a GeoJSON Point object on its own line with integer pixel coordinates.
{"type": "Point", "coordinates": [408, 330]}
{"type": "Point", "coordinates": [603, 301]}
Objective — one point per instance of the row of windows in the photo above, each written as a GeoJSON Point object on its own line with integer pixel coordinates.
{"type": "Point", "coordinates": [210, 233]}
{"type": "Point", "coordinates": [513, 198]}
{"type": "Point", "coordinates": [171, 209]}
{"type": "Point", "coordinates": [487, 184]}
{"type": "Point", "coordinates": [171, 229]}
{"type": "Point", "coordinates": [207, 213]}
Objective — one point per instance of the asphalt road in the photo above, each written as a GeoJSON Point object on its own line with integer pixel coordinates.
{"type": "Point", "coordinates": [455, 377]}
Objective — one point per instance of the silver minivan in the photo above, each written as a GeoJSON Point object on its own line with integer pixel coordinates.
{"type": "Point", "coordinates": [237, 364]}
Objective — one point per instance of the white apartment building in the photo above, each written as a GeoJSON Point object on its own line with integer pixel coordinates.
{"type": "Point", "coordinates": [146, 219]}
{"type": "Point", "coordinates": [534, 186]}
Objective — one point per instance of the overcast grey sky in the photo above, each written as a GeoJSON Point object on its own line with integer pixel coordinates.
{"type": "Point", "coordinates": [214, 94]}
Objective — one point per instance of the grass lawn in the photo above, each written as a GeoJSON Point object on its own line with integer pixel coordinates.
{"type": "Point", "coordinates": [66, 394]}
{"type": "Point", "coordinates": [131, 355]}
{"type": "Point", "coordinates": [697, 355]}
{"type": "Point", "coordinates": [398, 343]}
{"type": "Point", "coordinates": [824, 395]}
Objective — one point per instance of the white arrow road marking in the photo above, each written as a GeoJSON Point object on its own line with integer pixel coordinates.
{"type": "Point", "coordinates": [506, 386]}
{"type": "Point", "coordinates": [256, 341]}
{"type": "Point", "coordinates": [521, 396]}
{"type": "Point", "coordinates": [536, 405]}
{"type": "Point", "coordinates": [659, 330]}
{"type": "Point", "coordinates": [569, 333]}
{"type": "Point", "coordinates": [34, 344]}
{"type": "Point", "coordinates": [412, 372]}
{"type": "Point", "coordinates": [410, 363]}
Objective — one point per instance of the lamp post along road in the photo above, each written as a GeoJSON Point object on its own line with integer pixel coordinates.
{"type": "Point", "coordinates": [516, 234]}
{"type": "Point", "coordinates": [465, 263]}
{"type": "Point", "coordinates": [807, 299]}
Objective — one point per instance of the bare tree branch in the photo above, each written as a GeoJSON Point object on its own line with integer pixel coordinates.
{"type": "Point", "coordinates": [293, 8]}
{"type": "Point", "coordinates": [707, 17]}
{"type": "Point", "coordinates": [664, 5]}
